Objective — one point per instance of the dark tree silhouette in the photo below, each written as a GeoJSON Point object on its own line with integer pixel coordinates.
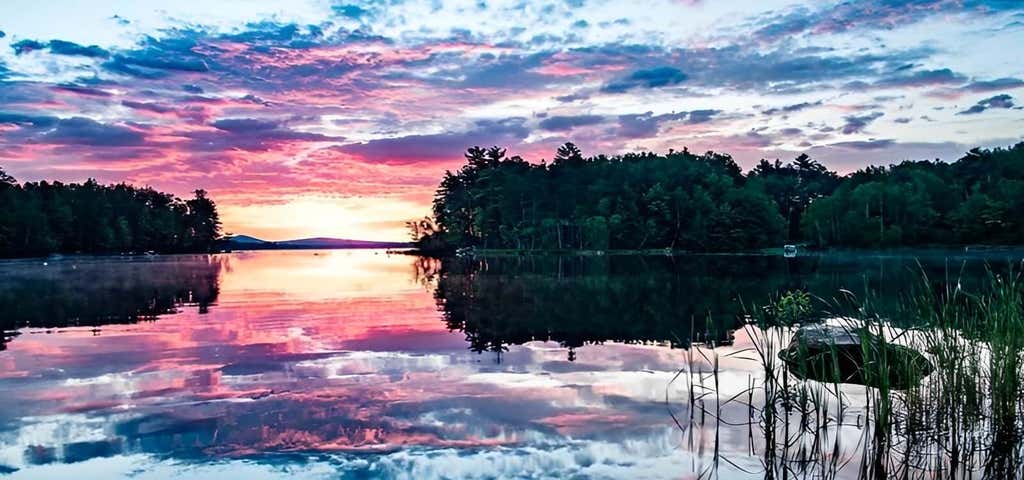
{"type": "Point", "coordinates": [568, 153]}
{"type": "Point", "coordinates": [705, 203]}
{"type": "Point", "coordinates": [680, 200]}
{"type": "Point", "coordinates": [39, 218]}
{"type": "Point", "coordinates": [794, 186]}
{"type": "Point", "coordinates": [202, 221]}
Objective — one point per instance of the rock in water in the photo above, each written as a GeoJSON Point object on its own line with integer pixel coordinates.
{"type": "Point", "coordinates": [837, 354]}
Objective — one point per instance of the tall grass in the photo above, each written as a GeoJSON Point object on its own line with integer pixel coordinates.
{"type": "Point", "coordinates": [964, 420]}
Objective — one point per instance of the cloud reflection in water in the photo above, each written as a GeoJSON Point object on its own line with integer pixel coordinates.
{"type": "Point", "coordinates": [337, 359]}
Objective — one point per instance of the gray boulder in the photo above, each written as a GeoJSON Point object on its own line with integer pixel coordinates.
{"type": "Point", "coordinates": [837, 354]}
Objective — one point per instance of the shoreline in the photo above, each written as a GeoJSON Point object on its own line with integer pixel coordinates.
{"type": "Point", "coordinates": [61, 255]}
{"type": "Point", "coordinates": [956, 250]}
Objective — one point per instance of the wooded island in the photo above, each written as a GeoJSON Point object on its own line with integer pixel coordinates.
{"type": "Point", "coordinates": [704, 202]}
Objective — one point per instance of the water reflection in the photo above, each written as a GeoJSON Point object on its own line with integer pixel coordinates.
{"type": "Point", "coordinates": [359, 364]}
{"type": "Point", "coordinates": [574, 301]}
{"type": "Point", "coordinates": [95, 291]}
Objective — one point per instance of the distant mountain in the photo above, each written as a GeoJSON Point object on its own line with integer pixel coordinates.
{"type": "Point", "coordinates": [246, 239]}
{"type": "Point", "coordinates": [246, 242]}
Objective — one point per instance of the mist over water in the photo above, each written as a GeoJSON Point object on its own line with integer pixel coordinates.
{"type": "Point", "coordinates": [360, 364]}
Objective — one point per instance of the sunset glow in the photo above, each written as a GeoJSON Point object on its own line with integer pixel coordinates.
{"type": "Point", "coordinates": [329, 118]}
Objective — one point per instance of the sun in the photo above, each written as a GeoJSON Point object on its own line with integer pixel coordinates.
{"type": "Point", "coordinates": [307, 216]}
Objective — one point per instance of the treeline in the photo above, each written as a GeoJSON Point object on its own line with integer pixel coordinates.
{"type": "Point", "coordinates": [636, 201]}
{"type": "Point", "coordinates": [39, 218]}
{"type": "Point", "coordinates": [979, 199]}
{"type": "Point", "coordinates": [705, 202]}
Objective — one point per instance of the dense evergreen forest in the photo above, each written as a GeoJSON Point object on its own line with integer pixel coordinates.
{"type": "Point", "coordinates": [43, 218]}
{"type": "Point", "coordinates": [685, 201]}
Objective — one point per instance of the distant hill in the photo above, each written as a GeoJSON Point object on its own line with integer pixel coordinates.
{"type": "Point", "coordinates": [246, 242]}
{"type": "Point", "coordinates": [246, 239]}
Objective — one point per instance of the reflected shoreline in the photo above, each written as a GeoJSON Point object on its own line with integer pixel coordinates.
{"type": "Point", "coordinates": [86, 291]}
{"type": "Point", "coordinates": [671, 300]}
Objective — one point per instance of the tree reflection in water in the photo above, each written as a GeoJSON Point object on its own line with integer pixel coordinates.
{"type": "Point", "coordinates": [95, 291]}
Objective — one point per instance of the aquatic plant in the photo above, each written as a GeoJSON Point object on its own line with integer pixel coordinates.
{"type": "Point", "coordinates": [963, 420]}
{"type": "Point", "coordinates": [792, 308]}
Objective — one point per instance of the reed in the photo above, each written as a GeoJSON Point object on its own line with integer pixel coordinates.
{"type": "Point", "coordinates": [963, 420]}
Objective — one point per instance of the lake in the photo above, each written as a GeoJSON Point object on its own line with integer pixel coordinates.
{"type": "Point", "coordinates": [359, 364]}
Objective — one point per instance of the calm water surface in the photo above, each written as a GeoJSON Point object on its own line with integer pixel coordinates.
{"type": "Point", "coordinates": [357, 364]}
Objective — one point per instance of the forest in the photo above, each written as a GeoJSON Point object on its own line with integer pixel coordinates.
{"type": "Point", "coordinates": [40, 218]}
{"type": "Point", "coordinates": [706, 203]}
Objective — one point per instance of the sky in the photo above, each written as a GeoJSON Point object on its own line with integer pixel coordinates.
{"type": "Point", "coordinates": [338, 118]}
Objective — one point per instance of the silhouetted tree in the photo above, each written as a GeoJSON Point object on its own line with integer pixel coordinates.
{"type": "Point", "coordinates": [568, 153]}
{"type": "Point", "coordinates": [202, 221]}
{"type": "Point", "coordinates": [794, 186]}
